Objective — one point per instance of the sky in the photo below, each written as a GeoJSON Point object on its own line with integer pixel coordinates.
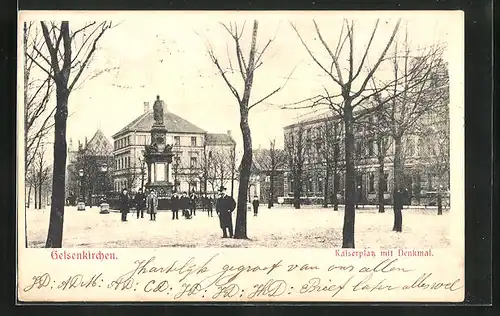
{"type": "Point", "coordinates": [165, 54]}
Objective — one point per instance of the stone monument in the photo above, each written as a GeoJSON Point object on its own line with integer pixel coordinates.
{"type": "Point", "coordinates": [158, 156]}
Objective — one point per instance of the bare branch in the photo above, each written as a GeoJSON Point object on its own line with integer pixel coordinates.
{"type": "Point", "coordinates": [314, 57]}
{"type": "Point", "coordinates": [104, 27]}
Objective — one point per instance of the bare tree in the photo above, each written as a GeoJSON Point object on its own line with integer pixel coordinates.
{"type": "Point", "coordinates": [277, 161]}
{"type": "Point", "coordinates": [65, 57]}
{"type": "Point", "coordinates": [42, 173]}
{"type": "Point", "coordinates": [328, 146]}
{"type": "Point", "coordinates": [419, 86]}
{"type": "Point", "coordinates": [270, 162]}
{"type": "Point", "coordinates": [219, 166]}
{"type": "Point", "coordinates": [347, 78]}
{"type": "Point", "coordinates": [90, 162]}
{"type": "Point", "coordinates": [246, 69]}
{"type": "Point", "coordinates": [37, 93]}
{"type": "Point", "coordinates": [295, 150]}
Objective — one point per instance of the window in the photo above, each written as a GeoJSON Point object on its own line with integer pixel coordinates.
{"type": "Point", "coordinates": [210, 154]}
{"type": "Point", "coordinates": [411, 147]}
{"type": "Point", "coordinates": [385, 180]}
{"type": "Point", "coordinates": [193, 141]}
{"type": "Point", "coordinates": [193, 162]}
{"type": "Point", "coordinates": [177, 140]}
{"type": "Point", "coordinates": [320, 185]}
{"type": "Point", "coordinates": [177, 160]}
{"type": "Point", "coordinates": [268, 179]}
{"type": "Point", "coordinates": [371, 151]}
{"type": "Point", "coordinates": [128, 140]}
{"type": "Point", "coordinates": [358, 149]}
{"type": "Point", "coordinates": [421, 148]}
{"type": "Point", "coordinates": [371, 183]}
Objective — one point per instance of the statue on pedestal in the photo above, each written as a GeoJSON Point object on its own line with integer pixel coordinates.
{"type": "Point", "coordinates": [158, 111]}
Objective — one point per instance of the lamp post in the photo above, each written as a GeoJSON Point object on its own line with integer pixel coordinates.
{"type": "Point", "coordinates": [104, 206]}
{"type": "Point", "coordinates": [80, 206]}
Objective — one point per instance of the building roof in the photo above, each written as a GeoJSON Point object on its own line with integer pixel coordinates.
{"type": "Point", "coordinates": [219, 139]}
{"type": "Point", "coordinates": [99, 145]}
{"type": "Point", "coordinates": [173, 123]}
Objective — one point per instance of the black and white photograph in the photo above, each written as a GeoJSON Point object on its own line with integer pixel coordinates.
{"type": "Point", "coordinates": [324, 132]}
{"type": "Point", "coordinates": [293, 130]}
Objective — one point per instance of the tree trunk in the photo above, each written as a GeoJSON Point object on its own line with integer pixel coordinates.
{"type": "Point", "coordinates": [91, 189]}
{"type": "Point", "coordinates": [325, 192]}
{"type": "Point", "coordinates": [40, 185]}
{"type": "Point", "coordinates": [398, 164]}
{"type": "Point", "coordinates": [349, 213]}
{"type": "Point", "coordinates": [398, 180]}
{"type": "Point", "coordinates": [233, 154]}
{"type": "Point", "coordinates": [271, 190]}
{"type": "Point", "coordinates": [36, 196]}
{"type": "Point", "coordinates": [296, 191]}
{"type": "Point", "coordinates": [381, 179]}
{"type": "Point", "coordinates": [246, 164]}
{"type": "Point", "coordinates": [29, 196]}
{"type": "Point", "coordinates": [55, 234]}
{"type": "Point", "coordinates": [335, 178]}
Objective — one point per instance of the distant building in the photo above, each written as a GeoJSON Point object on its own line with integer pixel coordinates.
{"type": "Point", "coordinates": [88, 157]}
{"type": "Point", "coordinates": [260, 181]}
{"type": "Point", "coordinates": [426, 158]}
{"type": "Point", "coordinates": [191, 145]}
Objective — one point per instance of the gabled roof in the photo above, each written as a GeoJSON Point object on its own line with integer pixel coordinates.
{"type": "Point", "coordinates": [219, 139]}
{"type": "Point", "coordinates": [99, 145]}
{"type": "Point", "coordinates": [173, 123]}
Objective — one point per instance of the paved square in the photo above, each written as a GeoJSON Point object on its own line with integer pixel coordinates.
{"type": "Point", "coordinates": [278, 227]}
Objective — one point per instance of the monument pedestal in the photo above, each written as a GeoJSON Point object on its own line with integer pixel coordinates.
{"type": "Point", "coordinates": [158, 157]}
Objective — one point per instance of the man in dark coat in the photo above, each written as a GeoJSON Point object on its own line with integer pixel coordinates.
{"type": "Point", "coordinates": [224, 206]}
{"type": "Point", "coordinates": [398, 201]}
{"type": "Point", "coordinates": [124, 204]}
{"type": "Point", "coordinates": [210, 206]}
{"type": "Point", "coordinates": [192, 203]}
{"type": "Point", "coordinates": [175, 206]}
{"type": "Point", "coordinates": [255, 204]}
{"type": "Point", "coordinates": [140, 203]}
{"type": "Point", "coordinates": [184, 205]}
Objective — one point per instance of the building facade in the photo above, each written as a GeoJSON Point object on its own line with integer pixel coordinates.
{"type": "Point", "coordinates": [425, 156]}
{"type": "Point", "coordinates": [264, 164]}
{"type": "Point", "coordinates": [191, 146]}
{"type": "Point", "coordinates": [85, 177]}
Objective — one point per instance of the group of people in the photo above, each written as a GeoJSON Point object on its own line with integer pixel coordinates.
{"type": "Point", "coordinates": [141, 201]}
{"type": "Point", "coordinates": [224, 207]}
{"type": "Point", "coordinates": [185, 203]}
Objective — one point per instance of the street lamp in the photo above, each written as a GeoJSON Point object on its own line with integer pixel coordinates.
{"type": "Point", "coordinates": [104, 206]}
{"type": "Point", "coordinates": [80, 206]}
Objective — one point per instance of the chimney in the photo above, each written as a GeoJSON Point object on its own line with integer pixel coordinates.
{"type": "Point", "coordinates": [70, 147]}
{"type": "Point", "coordinates": [86, 142]}
{"type": "Point", "coordinates": [146, 106]}
{"type": "Point", "coordinates": [229, 132]}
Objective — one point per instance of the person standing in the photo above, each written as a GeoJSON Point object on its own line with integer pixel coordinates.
{"type": "Point", "coordinates": [175, 206]}
{"type": "Point", "coordinates": [124, 204]}
{"type": "Point", "coordinates": [152, 205]}
{"type": "Point", "coordinates": [140, 203]}
{"type": "Point", "coordinates": [184, 205]}
{"type": "Point", "coordinates": [224, 207]}
{"type": "Point", "coordinates": [192, 203]}
{"type": "Point", "coordinates": [398, 206]}
{"type": "Point", "coordinates": [255, 204]}
{"type": "Point", "coordinates": [210, 207]}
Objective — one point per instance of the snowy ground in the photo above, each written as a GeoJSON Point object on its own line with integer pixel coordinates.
{"type": "Point", "coordinates": [279, 227]}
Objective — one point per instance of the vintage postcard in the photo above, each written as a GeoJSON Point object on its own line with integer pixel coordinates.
{"type": "Point", "coordinates": [241, 156]}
